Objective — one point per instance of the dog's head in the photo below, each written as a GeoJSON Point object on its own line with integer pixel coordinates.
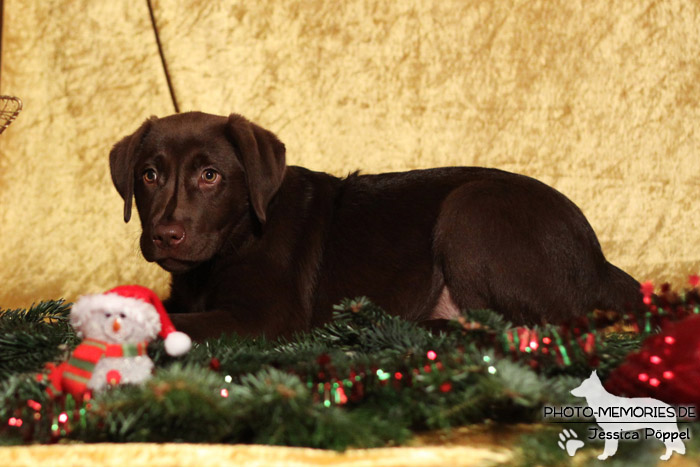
{"type": "Point", "coordinates": [195, 178]}
{"type": "Point", "coordinates": [589, 386]}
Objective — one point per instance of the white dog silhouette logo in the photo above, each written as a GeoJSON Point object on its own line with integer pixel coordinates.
{"type": "Point", "coordinates": [617, 415]}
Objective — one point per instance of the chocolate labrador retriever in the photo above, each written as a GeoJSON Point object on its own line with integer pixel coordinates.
{"type": "Point", "coordinates": [256, 247]}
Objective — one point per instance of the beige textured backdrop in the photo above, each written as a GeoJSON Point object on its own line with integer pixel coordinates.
{"type": "Point", "coordinates": [600, 99]}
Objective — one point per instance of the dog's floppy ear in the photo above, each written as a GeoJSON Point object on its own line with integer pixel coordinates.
{"type": "Point", "coordinates": [263, 157]}
{"type": "Point", "coordinates": [122, 159]}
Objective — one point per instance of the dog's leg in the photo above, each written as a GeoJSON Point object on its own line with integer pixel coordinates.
{"type": "Point", "coordinates": [519, 248]}
{"type": "Point", "coordinates": [667, 455]}
{"type": "Point", "coordinates": [679, 446]}
{"type": "Point", "coordinates": [609, 449]}
{"type": "Point", "coordinates": [459, 283]}
{"type": "Point", "coordinates": [673, 445]}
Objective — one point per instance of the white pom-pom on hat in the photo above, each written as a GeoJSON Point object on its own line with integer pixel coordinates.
{"type": "Point", "coordinates": [176, 342]}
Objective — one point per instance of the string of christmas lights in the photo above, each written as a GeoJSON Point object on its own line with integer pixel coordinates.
{"type": "Point", "coordinates": [462, 363]}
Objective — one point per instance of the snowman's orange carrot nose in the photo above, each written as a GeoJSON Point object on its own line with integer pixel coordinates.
{"type": "Point", "coordinates": [116, 325]}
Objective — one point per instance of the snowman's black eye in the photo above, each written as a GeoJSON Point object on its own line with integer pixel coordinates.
{"type": "Point", "coordinates": [122, 315]}
{"type": "Point", "coordinates": [108, 314]}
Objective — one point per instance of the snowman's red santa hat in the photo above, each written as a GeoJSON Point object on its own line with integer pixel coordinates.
{"type": "Point", "coordinates": [140, 299]}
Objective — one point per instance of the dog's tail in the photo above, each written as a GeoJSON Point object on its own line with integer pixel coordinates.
{"type": "Point", "coordinates": [619, 291]}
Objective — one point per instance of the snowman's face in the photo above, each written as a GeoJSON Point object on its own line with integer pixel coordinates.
{"type": "Point", "coordinates": [118, 321]}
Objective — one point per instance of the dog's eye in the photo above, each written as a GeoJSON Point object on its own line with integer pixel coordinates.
{"type": "Point", "coordinates": [210, 176]}
{"type": "Point", "coordinates": [150, 175]}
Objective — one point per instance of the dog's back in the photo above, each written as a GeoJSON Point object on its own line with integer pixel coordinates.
{"type": "Point", "coordinates": [471, 238]}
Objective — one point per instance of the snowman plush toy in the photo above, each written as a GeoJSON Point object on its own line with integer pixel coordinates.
{"type": "Point", "coordinates": [116, 327]}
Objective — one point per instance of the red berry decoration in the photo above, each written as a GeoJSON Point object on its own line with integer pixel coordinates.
{"type": "Point", "coordinates": [667, 367]}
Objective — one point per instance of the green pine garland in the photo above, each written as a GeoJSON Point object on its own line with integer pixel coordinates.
{"type": "Point", "coordinates": [366, 379]}
{"type": "Point", "coordinates": [28, 338]}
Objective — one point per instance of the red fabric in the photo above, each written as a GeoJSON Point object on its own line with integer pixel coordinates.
{"type": "Point", "coordinates": [667, 367]}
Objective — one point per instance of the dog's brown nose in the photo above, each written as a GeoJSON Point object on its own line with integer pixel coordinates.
{"type": "Point", "coordinates": [168, 235]}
